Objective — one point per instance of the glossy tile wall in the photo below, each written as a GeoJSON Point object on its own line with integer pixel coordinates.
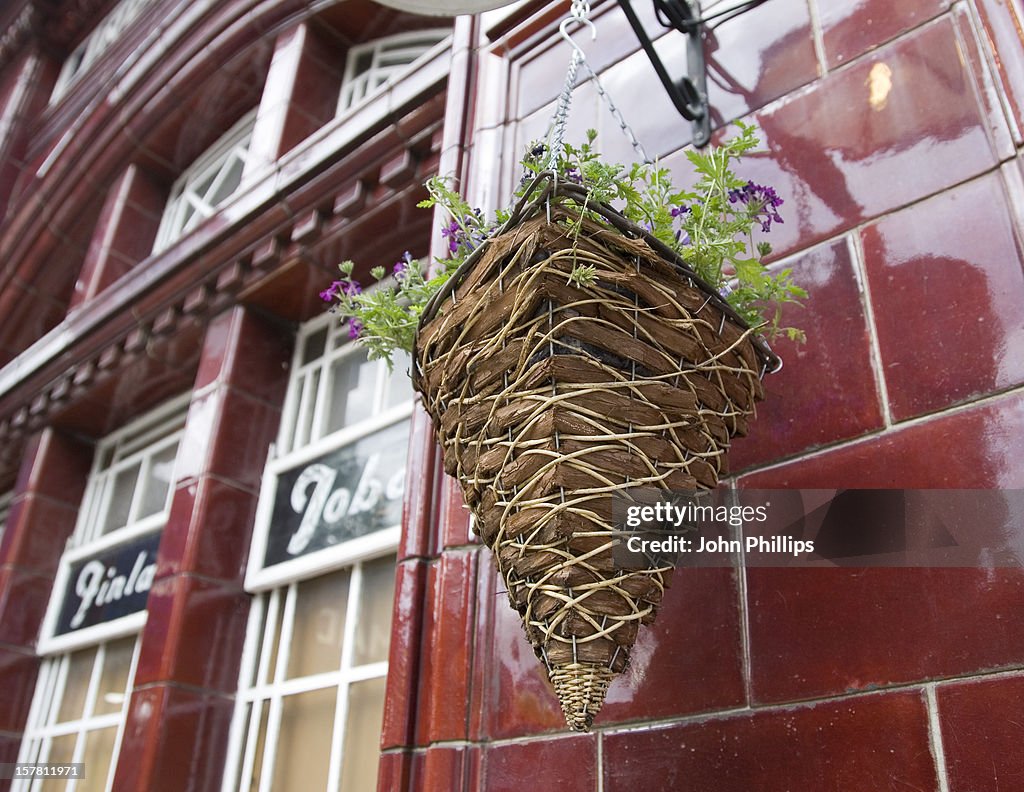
{"type": "Point", "coordinates": [892, 130]}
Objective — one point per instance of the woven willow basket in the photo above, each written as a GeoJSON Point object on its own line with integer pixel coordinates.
{"type": "Point", "coordinates": [548, 398]}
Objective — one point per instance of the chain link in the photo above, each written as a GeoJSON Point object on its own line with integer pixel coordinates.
{"type": "Point", "coordinates": [579, 11]}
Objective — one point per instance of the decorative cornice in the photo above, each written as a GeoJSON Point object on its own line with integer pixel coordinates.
{"type": "Point", "coordinates": [215, 278]}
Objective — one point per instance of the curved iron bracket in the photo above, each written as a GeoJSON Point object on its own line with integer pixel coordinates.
{"type": "Point", "coordinates": [689, 94]}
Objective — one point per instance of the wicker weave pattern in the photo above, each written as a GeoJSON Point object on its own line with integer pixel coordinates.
{"type": "Point", "coordinates": [548, 397]}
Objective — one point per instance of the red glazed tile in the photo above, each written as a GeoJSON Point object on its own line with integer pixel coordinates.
{"type": "Point", "coordinates": [690, 659]}
{"type": "Point", "coordinates": [36, 530]}
{"type": "Point", "coordinates": [971, 448]}
{"type": "Point", "coordinates": [752, 61]}
{"type": "Point", "coordinates": [454, 515]}
{"type": "Point", "coordinates": [826, 631]}
{"type": "Point", "coordinates": [227, 434]}
{"type": "Point", "coordinates": [567, 764]}
{"type": "Point", "coordinates": [826, 390]}
{"type": "Point", "coordinates": [9, 747]}
{"type": "Point", "coordinates": [248, 352]}
{"type": "Point", "coordinates": [1003, 24]}
{"type": "Point", "coordinates": [58, 469]}
{"type": "Point", "coordinates": [400, 702]}
{"type": "Point", "coordinates": [934, 357]}
{"type": "Point", "coordinates": [420, 486]}
{"type": "Point", "coordinates": [394, 772]}
{"type": "Point", "coordinates": [208, 531]}
{"type": "Point", "coordinates": [19, 671]}
{"type": "Point", "coordinates": [23, 599]}
{"type": "Point", "coordinates": [193, 634]}
{"type": "Point", "coordinates": [890, 129]}
{"type": "Point", "coordinates": [982, 733]}
{"type": "Point", "coordinates": [168, 729]}
{"type": "Point", "coordinates": [445, 769]}
{"type": "Point", "coordinates": [990, 95]}
{"type": "Point", "coordinates": [515, 696]}
{"type": "Point", "coordinates": [850, 29]}
{"type": "Point", "coordinates": [446, 664]}
{"type": "Point", "coordinates": [870, 742]}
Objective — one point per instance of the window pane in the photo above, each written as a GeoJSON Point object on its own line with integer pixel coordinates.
{"type": "Point", "coordinates": [304, 742]}
{"type": "Point", "coordinates": [319, 625]}
{"type": "Point", "coordinates": [399, 383]}
{"type": "Point", "coordinates": [373, 630]}
{"type": "Point", "coordinates": [352, 390]}
{"type": "Point", "coordinates": [261, 746]}
{"type": "Point", "coordinates": [114, 677]}
{"type": "Point", "coordinates": [272, 639]}
{"type": "Point", "coordinates": [99, 747]}
{"type": "Point", "coordinates": [62, 751]}
{"type": "Point", "coordinates": [158, 482]}
{"type": "Point", "coordinates": [77, 686]}
{"type": "Point", "coordinates": [314, 347]}
{"type": "Point", "coordinates": [228, 180]}
{"type": "Point", "coordinates": [362, 735]}
{"type": "Point", "coordinates": [121, 498]}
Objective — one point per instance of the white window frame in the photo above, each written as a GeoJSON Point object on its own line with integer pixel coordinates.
{"type": "Point", "coordinates": [233, 145]}
{"type": "Point", "coordinates": [406, 49]}
{"type": "Point", "coordinates": [302, 438]}
{"type": "Point", "coordinates": [138, 441]}
{"type": "Point", "coordinates": [93, 46]}
{"type": "Point", "coordinates": [304, 435]}
{"type": "Point", "coordinates": [256, 691]}
{"type": "Point", "coordinates": [46, 702]}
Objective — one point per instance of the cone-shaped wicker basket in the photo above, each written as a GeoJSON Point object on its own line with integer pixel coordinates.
{"type": "Point", "coordinates": [549, 397]}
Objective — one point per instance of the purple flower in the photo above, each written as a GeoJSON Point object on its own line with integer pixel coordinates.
{"type": "Point", "coordinates": [574, 175]}
{"type": "Point", "coordinates": [764, 201]}
{"type": "Point", "coordinates": [355, 327]}
{"type": "Point", "coordinates": [350, 288]}
{"type": "Point", "coordinates": [332, 291]}
{"type": "Point", "coordinates": [454, 234]}
{"type": "Point", "coordinates": [679, 211]}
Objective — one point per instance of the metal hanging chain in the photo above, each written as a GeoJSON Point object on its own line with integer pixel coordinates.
{"type": "Point", "coordinates": [579, 12]}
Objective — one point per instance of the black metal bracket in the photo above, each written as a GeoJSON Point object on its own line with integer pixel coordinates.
{"type": "Point", "coordinates": [689, 94]}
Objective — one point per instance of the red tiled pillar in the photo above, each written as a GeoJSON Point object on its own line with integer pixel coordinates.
{"type": "Point", "coordinates": [42, 516]}
{"type": "Point", "coordinates": [124, 234]}
{"type": "Point", "coordinates": [177, 728]}
{"type": "Point", "coordinates": [300, 95]}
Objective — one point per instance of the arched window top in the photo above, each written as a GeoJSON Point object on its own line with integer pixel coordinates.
{"type": "Point", "coordinates": [371, 65]}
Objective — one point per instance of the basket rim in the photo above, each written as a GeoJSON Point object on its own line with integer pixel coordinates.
{"type": "Point", "coordinates": [555, 188]}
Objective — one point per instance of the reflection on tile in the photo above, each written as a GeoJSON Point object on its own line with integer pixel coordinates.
{"type": "Point", "coordinates": [832, 745]}
{"type": "Point", "coordinates": [826, 390]}
{"type": "Point", "coordinates": [864, 142]}
{"type": "Point", "coordinates": [948, 294]}
{"type": "Point", "coordinates": [827, 631]}
{"type": "Point", "coordinates": [849, 29]}
{"type": "Point", "coordinates": [978, 447]}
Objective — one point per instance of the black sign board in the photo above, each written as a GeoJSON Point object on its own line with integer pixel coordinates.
{"type": "Point", "coordinates": [350, 492]}
{"type": "Point", "coordinates": [108, 585]}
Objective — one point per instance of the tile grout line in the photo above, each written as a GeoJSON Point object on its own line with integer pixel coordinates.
{"type": "Point", "coordinates": [860, 273]}
{"type": "Point", "coordinates": [935, 737]}
{"type": "Point", "coordinates": [909, 423]}
{"type": "Point", "coordinates": [985, 57]}
{"type": "Point", "coordinates": [715, 715]}
{"type": "Point", "coordinates": [817, 36]}
{"type": "Point", "coordinates": [743, 601]}
{"type": "Point", "coordinates": [600, 761]}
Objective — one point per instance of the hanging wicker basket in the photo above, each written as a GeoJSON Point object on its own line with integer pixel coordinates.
{"type": "Point", "coordinates": [549, 397]}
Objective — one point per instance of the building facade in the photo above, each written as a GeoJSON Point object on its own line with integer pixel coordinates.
{"type": "Point", "coordinates": [230, 557]}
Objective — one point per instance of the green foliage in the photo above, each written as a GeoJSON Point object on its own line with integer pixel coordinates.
{"type": "Point", "coordinates": [710, 226]}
